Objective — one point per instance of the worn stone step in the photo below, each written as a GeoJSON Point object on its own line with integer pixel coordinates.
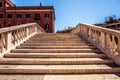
{"type": "Point", "coordinates": [41, 39]}
{"type": "Point", "coordinates": [55, 55]}
{"type": "Point", "coordinates": [47, 34]}
{"type": "Point", "coordinates": [56, 47]}
{"type": "Point", "coordinates": [55, 44]}
{"type": "Point", "coordinates": [57, 35]}
{"type": "Point", "coordinates": [54, 61]}
{"type": "Point", "coordinates": [32, 41]}
{"type": "Point", "coordinates": [57, 69]}
{"type": "Point", "coordinates": [59, 77]}
{"type": "Point", "coordinates": [54, 50]}
{"type": "Point", "coordinates": [52, 35]}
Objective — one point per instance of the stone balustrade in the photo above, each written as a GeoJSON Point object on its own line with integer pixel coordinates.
{"type": "Point", "coordinates": [107, 40]}
{"type": "Point", "coordinates": [13, 36]}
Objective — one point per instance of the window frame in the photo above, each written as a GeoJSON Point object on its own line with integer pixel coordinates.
{"type": "Point", "coordinates": [28, 16]}
{"type": "Point", "coordinates": [9, 25]}
{"type": "Point", "coordinates": [19, 16]}
{"type": "Point", "coordinates": [1, 16]}
{"type": "Point", "coordinates": [0, 25]}
{"type": "Point", "coordinates": [47, 15]}
{"type": "Point", "coordinates": [9, 16]}
{"type": "Point", "coordinates": [1, 4]}
{"type": "Point", "coordinates": [46, 27]}
{"type": "Point", "coordinates": [37, 15]}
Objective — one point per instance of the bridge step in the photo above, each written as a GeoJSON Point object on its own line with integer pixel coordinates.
{"type": "Point", "coordinates": [54, 50]}
{"type": "Point", "coordinates": [57, 69]}
{"type": "Point", "coordinates": [56, 38]}
{"type": "Point", "coordinates": [39, 39]}
{"type": "Point", "coordinates": [32, 41]}
{"type": "Point", "coordinates": [55, 55]}
{"type": "Point", "coordinates": [56, 44]}
{"type": "Point", "coordinates": [54, 61]}
{"type": "Point", "coordinates": [60, 37]}
{"type": "Point", "coordinates": [56, 47]}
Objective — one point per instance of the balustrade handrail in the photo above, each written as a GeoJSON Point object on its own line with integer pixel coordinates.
{"type": "Point", "coordinates": [106, 30]}
{"type": "Point", "coordinates": [40, 28]}
{"type": "Point", "coordinates": [7, 29]}
{"type": "Point", "coordinates": [13, 36]}
{"type": "Point", "coordinates": [107, 40]}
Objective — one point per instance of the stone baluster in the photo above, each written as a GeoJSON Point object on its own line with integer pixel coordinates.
{"type": "Point", "coordinates": [118, 48]}
{"type": "Point", "coordinates": [102, 40]}
{"type": "Point", "coordinates": [114, 45]}
{"type": "Point", "coordinates": [13, 36]}
{"type": "Point", "coordinates": [3, 42]}
{"type": "Point", "coordinates": [106, 39]}
{"type": "Point", "coordinates": [9, 40]}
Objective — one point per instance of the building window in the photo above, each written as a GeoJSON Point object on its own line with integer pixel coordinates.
{"type": "Point", "coordinates": [0, 26]}
{"type": "Point", "coordinates": [9, 25]}
{"type": "Point", "coordinates": [28, 16]}
{"type": "Point", "coordinates": [9, 16]}
{"type": "Point", "coordinates": [0, 4]}
{"type": "Point", "coordinates": [47, 15]}
{"type": "Point", "coordinates": [46, 26]}
{"type": "Point", "coordinates": [37, 17]}
{"type": "Point", "coordinates": [1, 15]}
{"type": "Point", "coordinates": [19, 15]}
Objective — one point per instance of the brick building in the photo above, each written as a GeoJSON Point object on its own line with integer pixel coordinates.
{"type": "Point", "coordinates": [11, 15]}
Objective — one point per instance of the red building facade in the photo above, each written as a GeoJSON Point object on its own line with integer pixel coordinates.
{"type": "Point", "coordinates": [11, 15]}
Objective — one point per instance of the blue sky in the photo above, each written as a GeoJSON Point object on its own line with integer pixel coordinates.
{"type": "Point", "coordinates": [71, 12]}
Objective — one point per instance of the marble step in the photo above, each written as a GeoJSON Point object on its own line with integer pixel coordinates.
{"type": "Point", "coordinates": [58, 69]}
{"type": "Point", "coordinates": [54, 61]}
{"type": "Point", "coordinates": [56, 47]}
{"type": "Point", "coordinates": [55, 55]}
{"type": "Point", "coordinates": [54, 50]}
{"type": "Point", "coordinates": [59, 77]}
{"type": "Point", "coordinates": [57, 36]}
{"type": "Point", "coordinates": [56, 44]}
{"type": "Point", "coordinates": [55, 39]}
{"type": "Point", "coordinates": [32, 41]}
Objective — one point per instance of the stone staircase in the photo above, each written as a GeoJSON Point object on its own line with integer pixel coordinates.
{"type": "Point", "coordinates": [57, 54]}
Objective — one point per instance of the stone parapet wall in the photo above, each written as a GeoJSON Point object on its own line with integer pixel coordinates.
{"type": "Point", "coordinates": [107, 40]}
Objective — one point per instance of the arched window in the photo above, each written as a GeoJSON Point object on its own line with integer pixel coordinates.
{"type": "Point", "coordinates": [9, 25]}
{"type": "Point", "coordinates": [46, 26]}
{"type": "Point", "coordinates": [0, 26]}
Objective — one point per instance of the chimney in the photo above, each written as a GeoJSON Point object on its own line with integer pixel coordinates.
{"type": "Point", "coordinates": [40, 4]}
